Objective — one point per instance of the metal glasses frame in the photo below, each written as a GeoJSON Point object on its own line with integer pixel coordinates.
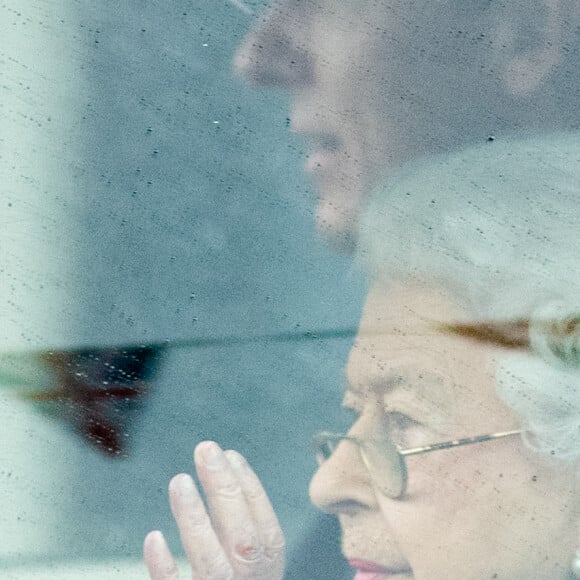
{"type": "Point", "coordinates": [391, 456]}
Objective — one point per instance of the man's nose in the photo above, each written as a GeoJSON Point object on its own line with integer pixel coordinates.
{"type": "Point", "coordinates": [342, 484]}
{"type": "Point", "coordinates": [274, 53]}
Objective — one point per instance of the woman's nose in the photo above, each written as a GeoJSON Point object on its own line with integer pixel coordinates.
{"type": "Point", "coordinates": [342, 483]}
{"type": "Point", "coordinates": [274, 53]}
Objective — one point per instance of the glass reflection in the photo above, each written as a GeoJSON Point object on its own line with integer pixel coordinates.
{"type": "Point", "coordinates": [150, 198]}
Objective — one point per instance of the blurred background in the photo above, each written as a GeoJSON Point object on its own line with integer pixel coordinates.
{"type": "Point", "coordinates": [148, 197]}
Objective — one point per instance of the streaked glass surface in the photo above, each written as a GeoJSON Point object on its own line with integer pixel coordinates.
{"type": "Point", "coordinates": [196, 198]}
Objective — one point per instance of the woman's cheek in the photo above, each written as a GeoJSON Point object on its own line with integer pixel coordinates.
{"type": "Point", "coordinates": [453, 490]}
{"type": "Point", "coordinates": [443, 476]}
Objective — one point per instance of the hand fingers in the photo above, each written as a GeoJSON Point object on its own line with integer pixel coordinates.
{"type": "Point", "coordinates": [266, 522]}
{"type": "Point", "coordinates": [242, 539]}
{"type": "Point", "coordinates": [158, 558]}
{"type": "Point", "coordinates": [200, 542]}
{"type": "Point", "coordinates": [230, 513]}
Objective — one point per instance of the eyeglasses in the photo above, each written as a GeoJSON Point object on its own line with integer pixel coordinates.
{"type": "Point", "coordinates": [385, 461]}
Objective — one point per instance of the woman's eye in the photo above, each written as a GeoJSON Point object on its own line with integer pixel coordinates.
{"type": "Point", "coordinates": [404, 431]}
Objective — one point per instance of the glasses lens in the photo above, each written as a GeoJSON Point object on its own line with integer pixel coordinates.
{"type": "Point", "coordinates": [386, 466]}
{"type": "Point", "coordinates": [325, 444]}
{"type": "Point", "coordinates": [384, 463]}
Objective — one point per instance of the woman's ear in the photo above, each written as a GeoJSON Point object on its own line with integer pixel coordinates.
{"type": "Point", "coordinates": [532, 39]}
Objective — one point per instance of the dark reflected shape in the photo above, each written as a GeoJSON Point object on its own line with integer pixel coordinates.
{"type": "Point", "coordinates": [511, 334]}
{"type": "Point", "coordinates": [559, 338]}
{"type": "Point", "coordinates": [97, 391]}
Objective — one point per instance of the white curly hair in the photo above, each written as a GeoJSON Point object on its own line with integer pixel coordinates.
{"type": "Point", "coordinates": [499, 225]}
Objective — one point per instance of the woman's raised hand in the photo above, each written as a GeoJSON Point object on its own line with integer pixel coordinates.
{"type": "Point", "coordinates": [240, 537]}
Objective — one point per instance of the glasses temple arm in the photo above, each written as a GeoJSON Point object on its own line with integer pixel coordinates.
{"type": "Point", "coordinates": [458, 443]}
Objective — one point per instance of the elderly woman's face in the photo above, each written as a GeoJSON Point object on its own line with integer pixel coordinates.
{"type": "Point", "coordinates": [375, 83]}
{"type": "Point", "coordinates": [488, 510]}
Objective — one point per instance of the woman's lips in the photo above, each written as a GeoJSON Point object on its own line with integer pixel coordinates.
{"type": "Point", "coordinates": [365, 570]}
